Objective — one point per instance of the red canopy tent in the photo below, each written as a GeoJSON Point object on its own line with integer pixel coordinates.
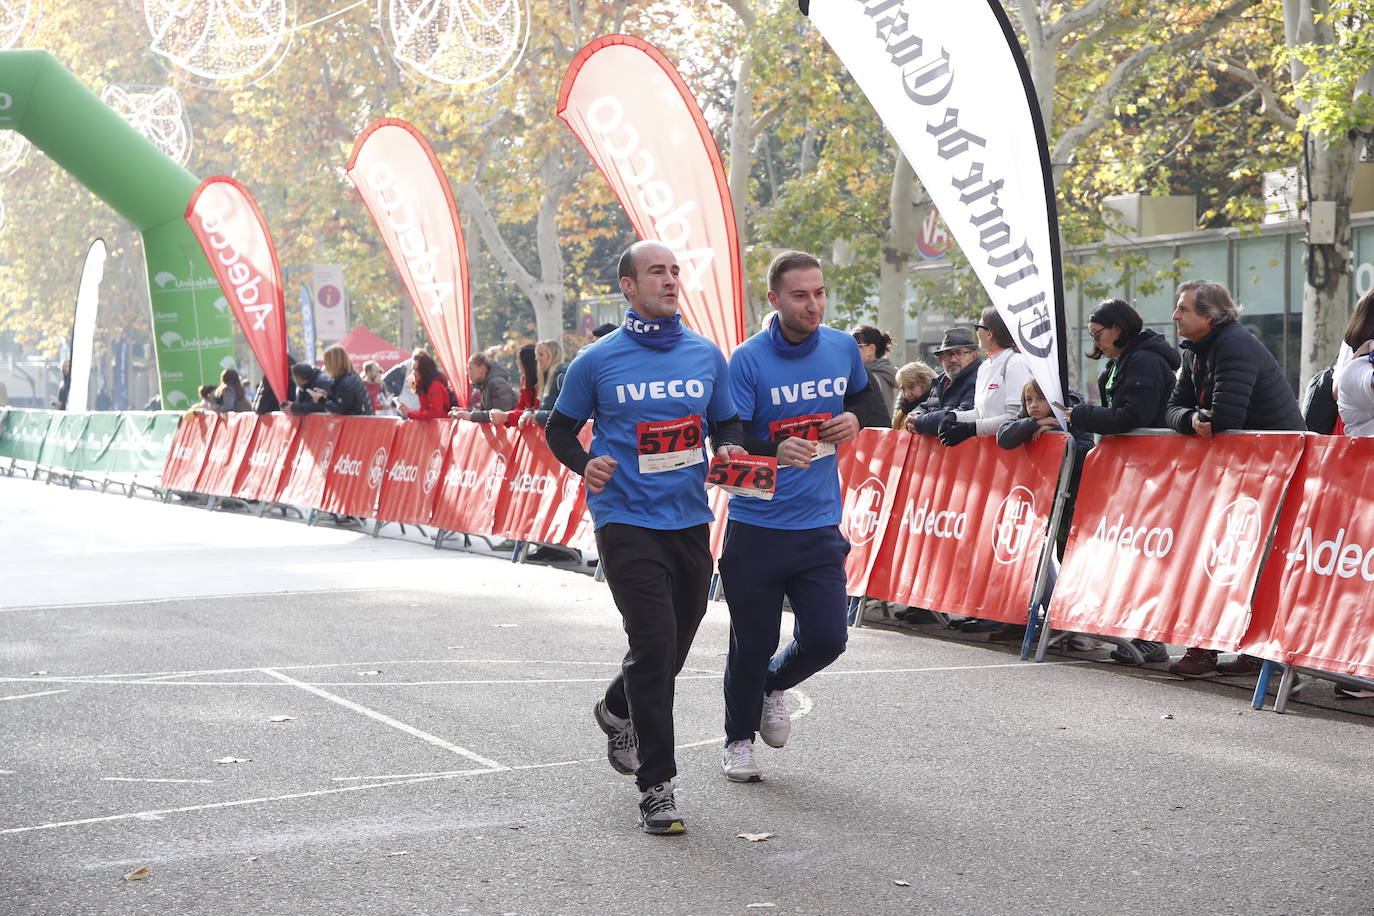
{"type": "Point", "coordinates": [362, 345]}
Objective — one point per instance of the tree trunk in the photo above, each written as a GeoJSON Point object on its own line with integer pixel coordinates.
{"type": "Point", "coordinates": [899, 242]}
{"type": "Point", "coordinates": [1325, 309]}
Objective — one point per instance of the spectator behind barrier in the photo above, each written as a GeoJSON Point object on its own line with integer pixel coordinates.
{"type": "Point", "coordinates": [207, 400]}
{"type": "Point", "coordinates": [430, 386]}
{"type": "Point", "coordinates": [308, 381]}
{"type": "Point", "coordinates": [914, 381]}
{"type": "Point", "coordinates": [376, 394]}
{"type": "Point", "coordinates": [997, 392]}
{"type": "Point", "coordinates": [1035, 419]}
{"type": "Point", "coordinates": [348, 395]}
{"type": "Point", "coordinates": [552, 369]}
{"type": "Point", "coordinates": [1354, 386]}
{"type": "Point", "coordinates": [1229, 381]}
{"type": "Point", "coordinates": [230, 396]}
{"type": "Point", "coordinates": [60, 402]}
{"type": "Point", "coordinates": [602, 330]}
{"type": "Point", "coordinates": [874, 345]}
{"type": "Point", "coordinates": [491, 389]}
{"type": "Point", "coordinates": [953, 388]}
{"type": "Point", "coordinates": [529, 389]}
{"type": "Point", "coordinates": [266, 401]}
{"type": "Point", "coordinates": [1139, 376]}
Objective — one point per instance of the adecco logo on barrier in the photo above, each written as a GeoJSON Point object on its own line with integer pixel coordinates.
{"type": "Point", "coordinates": [1334, 557]}
{"type": "Point", "coordinates": [532, 483]}
{"type": "Point", "coordinates": [1234, 536]}
{"type": "Point", "coordinates": [862, 510]}
{"type": "Point", "coordinates": [1132, 541]}
{"type": "Point", "coordinates": [377, 469]}
{"type": "Point", "coordinates": [1013, 525]}
{"type": "Point", "coordinates": [943, 523]}
{"type": "Point", "coordinates": [460, 477]}
{"type": "Point", "coordinates": [436, 463]}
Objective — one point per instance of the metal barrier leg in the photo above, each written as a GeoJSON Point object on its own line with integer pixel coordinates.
{"type": "Point", "coordinates": [712, 592]}
{"type": "Point", "coordinates": [852, 614]}
{"type": "Point", "coordinates": [1262, 684]}
{"type": "Point", "coordinates": [377, 527]}
{"type": "Point", "coordinates": [600, 574]}
{"type": "Point", "coordinates": [1290, 675]}
{"type": "Point", "coordinates": [521, 549]}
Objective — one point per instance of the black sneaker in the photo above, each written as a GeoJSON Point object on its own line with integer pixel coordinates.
{"type": "Point", "coordinates": [1153, 652]}
{"type": "Point", "coordinates": [1352, 693]}
{"type": "Point", "coordinates": [622, 744]}
{"type": "Point", "coordinates": [979, 625]}
{"type": "Point", "coordinates": [658, 812]}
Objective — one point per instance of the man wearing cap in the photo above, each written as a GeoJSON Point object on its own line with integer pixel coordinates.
{"type": "Point", "coordinates": [954, 388]}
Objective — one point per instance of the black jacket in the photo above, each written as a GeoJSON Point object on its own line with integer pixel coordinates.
{"type": "Point", "coordinates": [303, 402]}
{"type": "Point", "coordinates": [1235, 377]}
{"type": "Point", "coordinates": [869, 407]}
{"type": "Point", "coordinates": [1135, 388]}
{"type": "Point", "coordinates": [348, 396]}
{"type": "Point", "coordinates": [947, 394]}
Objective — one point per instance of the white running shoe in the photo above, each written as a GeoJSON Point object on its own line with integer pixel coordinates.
{"type": "Point", "coordinates": [774, 725]}
{"type": "Point", "coordinates": [738, 763]}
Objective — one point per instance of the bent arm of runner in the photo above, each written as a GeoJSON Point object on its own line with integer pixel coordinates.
{"type": "Point", "coordinates": [561, 434]}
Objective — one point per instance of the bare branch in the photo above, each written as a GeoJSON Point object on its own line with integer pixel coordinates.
{"type": "Point", "coordinates": [1269, 103]}
{"type": "Point", "coordinates": [1073, 20]}
{"type": "Point", "coordinates": [743, 11]}
{"type": "Point", "coordinates": [491, 234]}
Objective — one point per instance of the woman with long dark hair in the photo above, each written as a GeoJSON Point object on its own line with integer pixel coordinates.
{"type": "Point", "coordinates": [230, 397]}
{"type": "Point", "coordinates": [529, 390]}
{"type": "Point", "coordinates": [1138, 377]}
{"type": "Point", "coordinates": [430, 386]}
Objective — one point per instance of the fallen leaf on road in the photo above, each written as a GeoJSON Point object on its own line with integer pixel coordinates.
{"type": "Point", "coordinates": [758, 906]}
{"type": "Point", "coordinates": [900, 883]}
{"type": "Point", "coordinates": [282, 718]}
{"type": "Point", "coordinates": [508, 624]}
{"type": "Point", "coordinates": [138, 875]}
{"type": "Point", "coordinates": [754, 838]}
{"type": "Point", "coordinates": [36, 673]}
{"type": "Point", "coordinates": [252, 858]}
{"type": "Point", "coordinates": [369, 673]}
{"type": "Point", "coordinates": [392, 855]}
{"type": "Point", "coordinates": [1167, 715]}
{"type": "Point", "coordinates": [224, 761]}
{"type": "Point", "coordinates": [1062, 728]}
{"type": "Point", "coordinates": [457, 647]}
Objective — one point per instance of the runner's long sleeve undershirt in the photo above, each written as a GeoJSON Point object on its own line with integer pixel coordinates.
{"type": "Point", "coordinates": [561, 434]}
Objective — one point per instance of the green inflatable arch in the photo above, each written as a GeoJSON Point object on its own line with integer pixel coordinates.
{"type": "Point", "coordinates": [192, 325]}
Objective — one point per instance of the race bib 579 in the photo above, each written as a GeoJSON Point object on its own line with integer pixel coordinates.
{"type": "Point", "coordinates": [666, 445]}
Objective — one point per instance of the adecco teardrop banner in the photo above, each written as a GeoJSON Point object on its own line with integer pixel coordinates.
{"type": "Point", "coordinates": [405, 189]}
{"type": "Point", "coordinates": [231, 231]}
{"type": "Point", "coordinates": [645, 132]}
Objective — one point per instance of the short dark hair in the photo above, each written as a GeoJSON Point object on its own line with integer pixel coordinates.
{"type": "Point", "coordinates": [627, 263]}
{"type": "Point", "coordinates": [1211, 300]}
{"type": "Point", "coordinates": [1116, 313]}
{"type": "Point", "coordinates": [993, 322]}
{"type": "Point", "coordinates": [867, 334]}
{"type": "Point", "coordinates": [1361, 325]}
{"type": "Point", "coordinates": [789, 260]}
{"type": "Point", "coordinates": [602, 330]}
{"type": "Point", "coordinates": [303, 370]}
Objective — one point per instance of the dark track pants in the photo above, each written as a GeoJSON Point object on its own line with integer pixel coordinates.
{"type": "Point", "coordinates": [758, 567]}
{"type": "Point", "coordinates": [659, 580]}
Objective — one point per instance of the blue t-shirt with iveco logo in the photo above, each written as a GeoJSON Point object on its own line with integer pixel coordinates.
{"type": "Point", "coordinates": [624, 383]}
{"type": "Point", "coordinates": [768, 387]}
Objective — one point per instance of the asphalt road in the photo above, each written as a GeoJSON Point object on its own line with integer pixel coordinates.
{"type": "Point", "coordinates": [440, 757]}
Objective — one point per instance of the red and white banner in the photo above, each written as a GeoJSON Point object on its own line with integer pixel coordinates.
{"type": "Point", "coordinates": [950, 83]}
{"type": "Point", "coordinates": [358, 466]}
{"type": "Point", "coordinates": [303, 484]}
{"type": "Point", "coordinates": [644, 130]}
{"type": "Point", "coordinates": [405, 189]}
{"type": "Point", "coordinates": [418, 454]}
{"type": "Point", "coordinates": [1315, 602]}
{"type": "Point", "coordinates": [1169, 533]}
{"type": "Point", "coordinates": [542, 495]}
{"type": "Point", "coordinates": [472, 493]}
{"type": "Point", "coordinates": [187, 454]}
{"type": "Point", "coordinates": [229, 443]}
{"type": "Point", "coordinates": [870, 470]}
{"type": "Point", "coordinates": [274, 441]}
{"type": "Point", "coordinates": [968, 526]}
{"type": "Point", "coordinates": [231, 231]}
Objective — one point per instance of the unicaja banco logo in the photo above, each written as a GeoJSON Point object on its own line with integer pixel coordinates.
{"type": "Point", "coordinates": [863, 509]}
{"type": "Point", "coordinates": [1013, 525]}
{"type": "Point", "coordinates": [1234, 536]}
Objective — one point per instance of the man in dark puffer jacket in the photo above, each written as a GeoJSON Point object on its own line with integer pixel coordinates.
{"type": "Point", "coordinates": [1229, 381]}
{"type": "Point", "coordinates": [954, 388]}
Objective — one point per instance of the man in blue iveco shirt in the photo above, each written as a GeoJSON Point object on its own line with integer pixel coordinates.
{"type": "Point", "coordinates": [793, 384]}
{"type": "Point", "coordinates": [654, 387]}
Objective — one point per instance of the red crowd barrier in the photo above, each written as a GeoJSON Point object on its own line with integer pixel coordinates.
{"type": "Point", "coordinates": [473, 489]}
{"type": "Point", "coordinates": [187, 454]}
{"type": "Point", "coordinates": [418, 457]}
{"type": "Point", "coordinates": [1313, 605]}
{"type": "Point", "coordinates": [967, 525]}
{"type": "Point", "coordinates": [870, 471]}
{"type": "Point", "coordinates": [272, 446]}
{"type": "Point", "coordinates": [355, 474]}
{"type": "Point", "coordinates": [1169, 533]}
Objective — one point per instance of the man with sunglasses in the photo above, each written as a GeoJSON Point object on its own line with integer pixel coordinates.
{"type": "Point", "coordinates": [953, 388]}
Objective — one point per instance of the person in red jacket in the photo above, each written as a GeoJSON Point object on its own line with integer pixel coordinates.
{"type": "Point", "coordinates": [529, 391]}
{"type": "Point", "coordinates": [430, 385]}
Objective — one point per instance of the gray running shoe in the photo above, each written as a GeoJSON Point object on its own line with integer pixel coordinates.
{"type": "Point", "coordinates": [658, 812]}
{"type": "Point", "coordinates": [622, 744]}
{"type": "Point", "coordinates": [774, 725]}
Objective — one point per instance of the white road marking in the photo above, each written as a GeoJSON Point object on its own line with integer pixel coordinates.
{"type": "Point", "coordinates": [386, 720]}
{"type": "Point", "coordinates": [23, 696]}
{"type": "Point", "coordinates": [150, 676]}
{"type": "Point", "coordinates": [142, 779]}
